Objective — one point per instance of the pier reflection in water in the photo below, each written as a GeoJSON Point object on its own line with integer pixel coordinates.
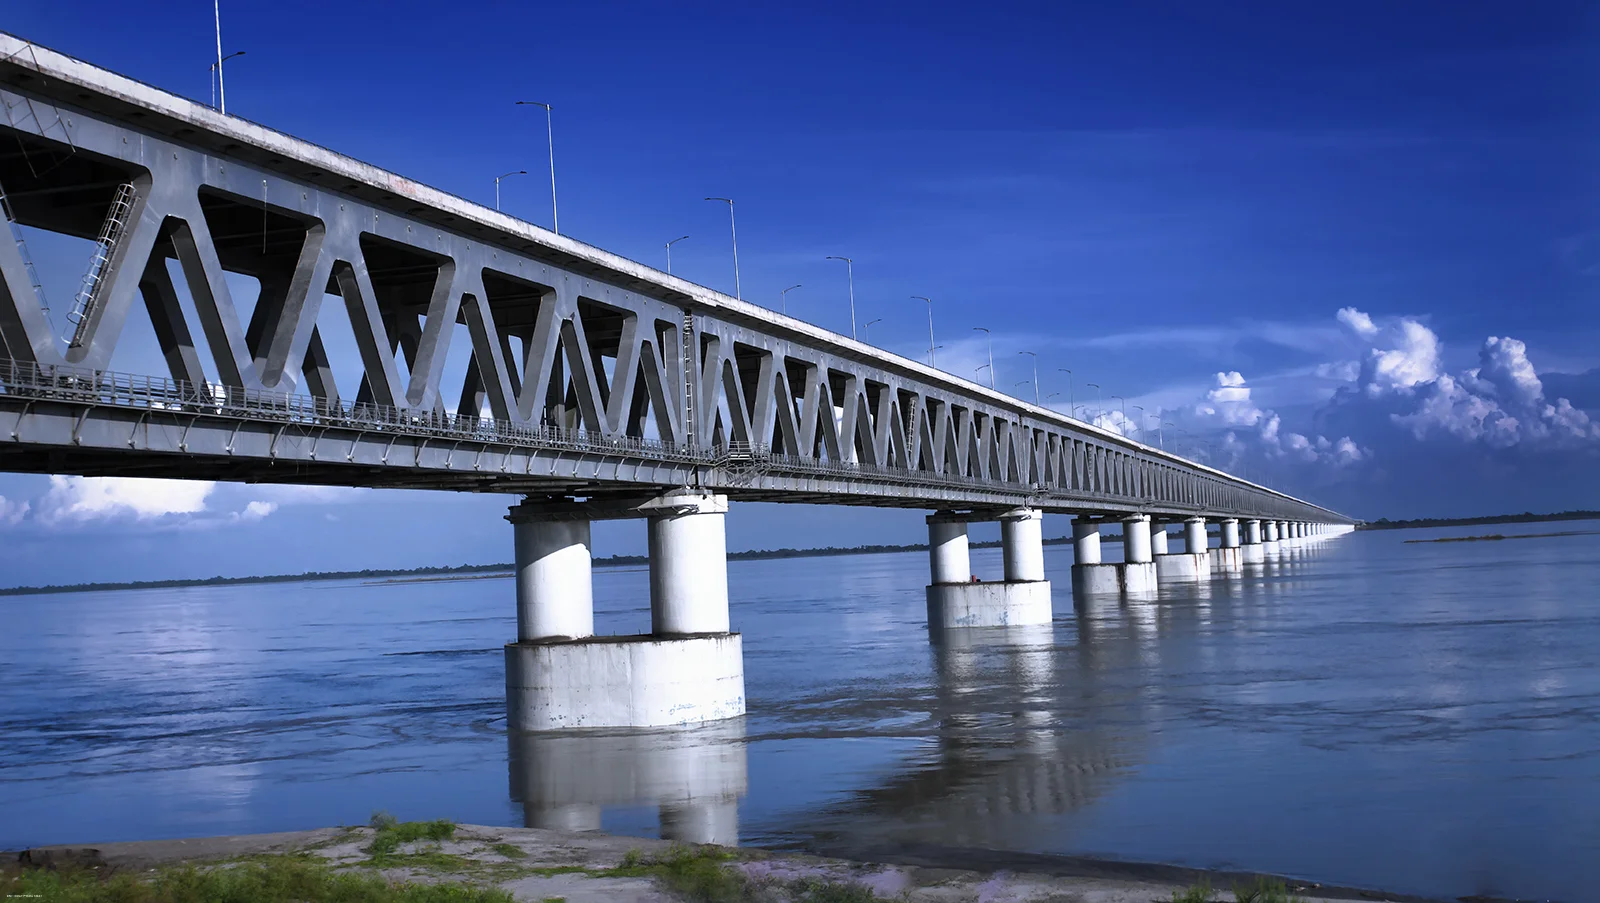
{"type": "Point", "coordinates": [695, 776]}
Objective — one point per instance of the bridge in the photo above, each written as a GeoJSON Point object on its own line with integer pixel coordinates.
{"type": "Point", "coordinates": [595, 387]}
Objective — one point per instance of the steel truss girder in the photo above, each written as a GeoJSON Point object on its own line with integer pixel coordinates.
{"type": "Point", "coordinates": [726, 395]}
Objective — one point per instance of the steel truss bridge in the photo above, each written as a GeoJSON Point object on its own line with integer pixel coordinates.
{"type": "Point", "coordinates": [600, 376]}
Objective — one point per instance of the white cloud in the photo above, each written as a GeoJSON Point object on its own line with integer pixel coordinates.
{"type": "Point", "coordinates": [1500, 403]}
{"type": "Point", "coordinates": [1357, 322]}
{"type": "Point", "coordinates": [12, 513]}
{"type": "Point", "coordinates": [257, 510]}
{"type": "Point", "coordinates": [76, 500]}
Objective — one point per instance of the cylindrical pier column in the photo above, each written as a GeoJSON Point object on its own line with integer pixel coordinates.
{"type": "Point", "coordinates": [1085, 541]}
{"type": "Point", "coordinates": [1195, 541]}
{"type": "Point", "coordinates": [1022, 544]}
{"type": "Point", "coordinates": [949, 558]}
{"type": "Point", "coordinates": [1252, 532]}
{"type": "Point", "coordinates": [554, 595]}
{"type": "Point", "coordinates": [689, 565]}
{"type": "Point", "coordinates": [1136, 539]}
{"type": "Point", "coordinates": [1269, 531]}
{"type": "Point", "coordinates": [1158, 539]}
{"type": "Point", "coordinates": [1228, 538]}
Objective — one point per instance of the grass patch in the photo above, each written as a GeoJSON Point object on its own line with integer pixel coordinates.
{"type": "Point", "coordinates": [510, 851]}
{"type": "Point", "coordinates": [702, 875]}
{"type": "Point", "coordinates": [1264, 890]}
{"type": "Point", "coordinates": [1194, 893]}
{"type": "Point", "coordinates": [287, 879]}
{"type": "Point", "coordinates": [388, 834]}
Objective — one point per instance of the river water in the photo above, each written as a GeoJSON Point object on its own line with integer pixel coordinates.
{"type": "Point", "coordinates": [1417, 717]}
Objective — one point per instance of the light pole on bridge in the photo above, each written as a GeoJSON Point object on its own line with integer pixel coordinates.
{"type": "Point", "coordinates": [1035, 374]}
{"type": "Point", "coordinates": [733, 228]}
{"type": "Point", "coordinates": [550, 140]}
{"type": "Point", "coordinates": [521, 172]}
{"type": "Point", "coordinates": [866, 331]}
{"type": "Point", "coordinates": [989, 338]}
{"type": "Point", "coordinates": [930, 328]}
{"type": "Point", "coordinates": [1071, 402]}
{"type": "Point", "coordinates": [216, 78]}
{"type": "Point", "coordinates": [669, 252]}
{"type": "Point", "coordinates": [783, 298]}
{"type": "Point", "coordinates": [1100, 403]}
{"type": "Point", "coordinates": [850, 273]}
{"type": "Point", "coordinates": [1123, 426]}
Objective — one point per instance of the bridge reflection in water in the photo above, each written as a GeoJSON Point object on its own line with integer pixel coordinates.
{"type": "Point", "coordinates": [1023, 725]}
{"type": "Point", "coordinates": [695, 775]}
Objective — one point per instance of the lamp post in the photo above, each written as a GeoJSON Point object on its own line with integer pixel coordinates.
{"type": "Point", "coordinates": [1100, 402]}
{"type": "Point", "coordinates": [982, 367]}
{"type": "Point", "coordinates": [216, 79]}
{"type": "Point", "coordinates": [523, 172]}
{"type": "Point", "coordinates": [930, 331]}
{"type": "Point", "coordinates": [1035, 374]}
{"type": "Point", "coordinates": [988, 337]}
{"type": "Point", "coordinates": [733, 227]}
{"type": "Point", "coordinates": [1070, 399]}
{"type": "Point", "coordinates": [1140, 409]}
{"type": "Point", "coordinates": [216, 13]}
{"type": "Point", "coordinates": [850, 272]}
{"type": "Point", "coordinates": [783, 297]}
{"type": "Point", "coordinates": [866, 331]}
{"type": "Point", "coordinates": [1124, 408]}
{"type": "Point", "coordinates": [550, 137]}
{"type": "Point", "coordinates": [669, 252]}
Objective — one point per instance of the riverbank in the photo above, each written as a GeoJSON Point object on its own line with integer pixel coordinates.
{"type": "Point", "coordinates": [493, 865]}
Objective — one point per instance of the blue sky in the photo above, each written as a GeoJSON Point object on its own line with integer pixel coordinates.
{"type": "Point", "coordinates": [1174, 200]}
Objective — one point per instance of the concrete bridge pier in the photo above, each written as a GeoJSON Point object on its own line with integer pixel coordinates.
{"type": "Point", "coordinates": [1270, 546]}
{"type": "Point", "coordinates": [957, 599]}
{"type": "Point", "coordinates": [1193, 564]}
{"type": "Point", "coordinates": [1251, 550]}
{"type": "Point", "coordinates": [688, 670]}
{"type": "Point", "coordinates": [1138, 561]}
{"type": "Point", "coordinates": [1091, 575]}
{"type": "Point", "coordinates": [1227, 558]}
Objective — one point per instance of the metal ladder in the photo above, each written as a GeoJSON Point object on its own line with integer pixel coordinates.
{"type": "Point", "coordinates": [22, 248]}
{"type": "Point", "coordinates": [105, 246]}
{"type": "Point", "coordinates": [689, 373]}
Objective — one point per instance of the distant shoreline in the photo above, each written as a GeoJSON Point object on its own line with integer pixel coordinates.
{"type": "Point", "coordinates": [423, 574]}
{"type": "Point", "coordinates": [1524, 518]}
{"type": "Point", "coordinates": [426, 574]}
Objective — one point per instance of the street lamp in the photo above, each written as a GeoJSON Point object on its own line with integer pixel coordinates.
{"type": "Point", "coordinates": [1140, 409]}
{"type": "Point", "coordinates": [783, 297]}
{"type": "Point", "coordinates": [866, 331]}
{"type": "Point", "coordinates": [669, 252]}
{"type": "Point", "coordinates": [507, 175]}
{"type": "Point", "coordinates": [217, 79]}
{"type": "Point", "coordinates": [850, 271]}
{"type": "Point", "coordinates": [990, 339]}
{"type": "Point", "coordinates": [550, 136]}
{"type": "Point", "coordinates": [982, 367]}
{"type": "Point", "coordinates": [733, 227]}
{"type": "Point", "coordinates": [216, 13]}
{"type": "Point", "coordinates": [930, 330]}
{"type": "Point", "coordinates": [1100, 401]}
{"type": "Point", "coordinates": [1124, 407]}
{"type": "Point", "coordinates": [1035, 374]}
{"type": "Point", "coordinates": [1070, 400]}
